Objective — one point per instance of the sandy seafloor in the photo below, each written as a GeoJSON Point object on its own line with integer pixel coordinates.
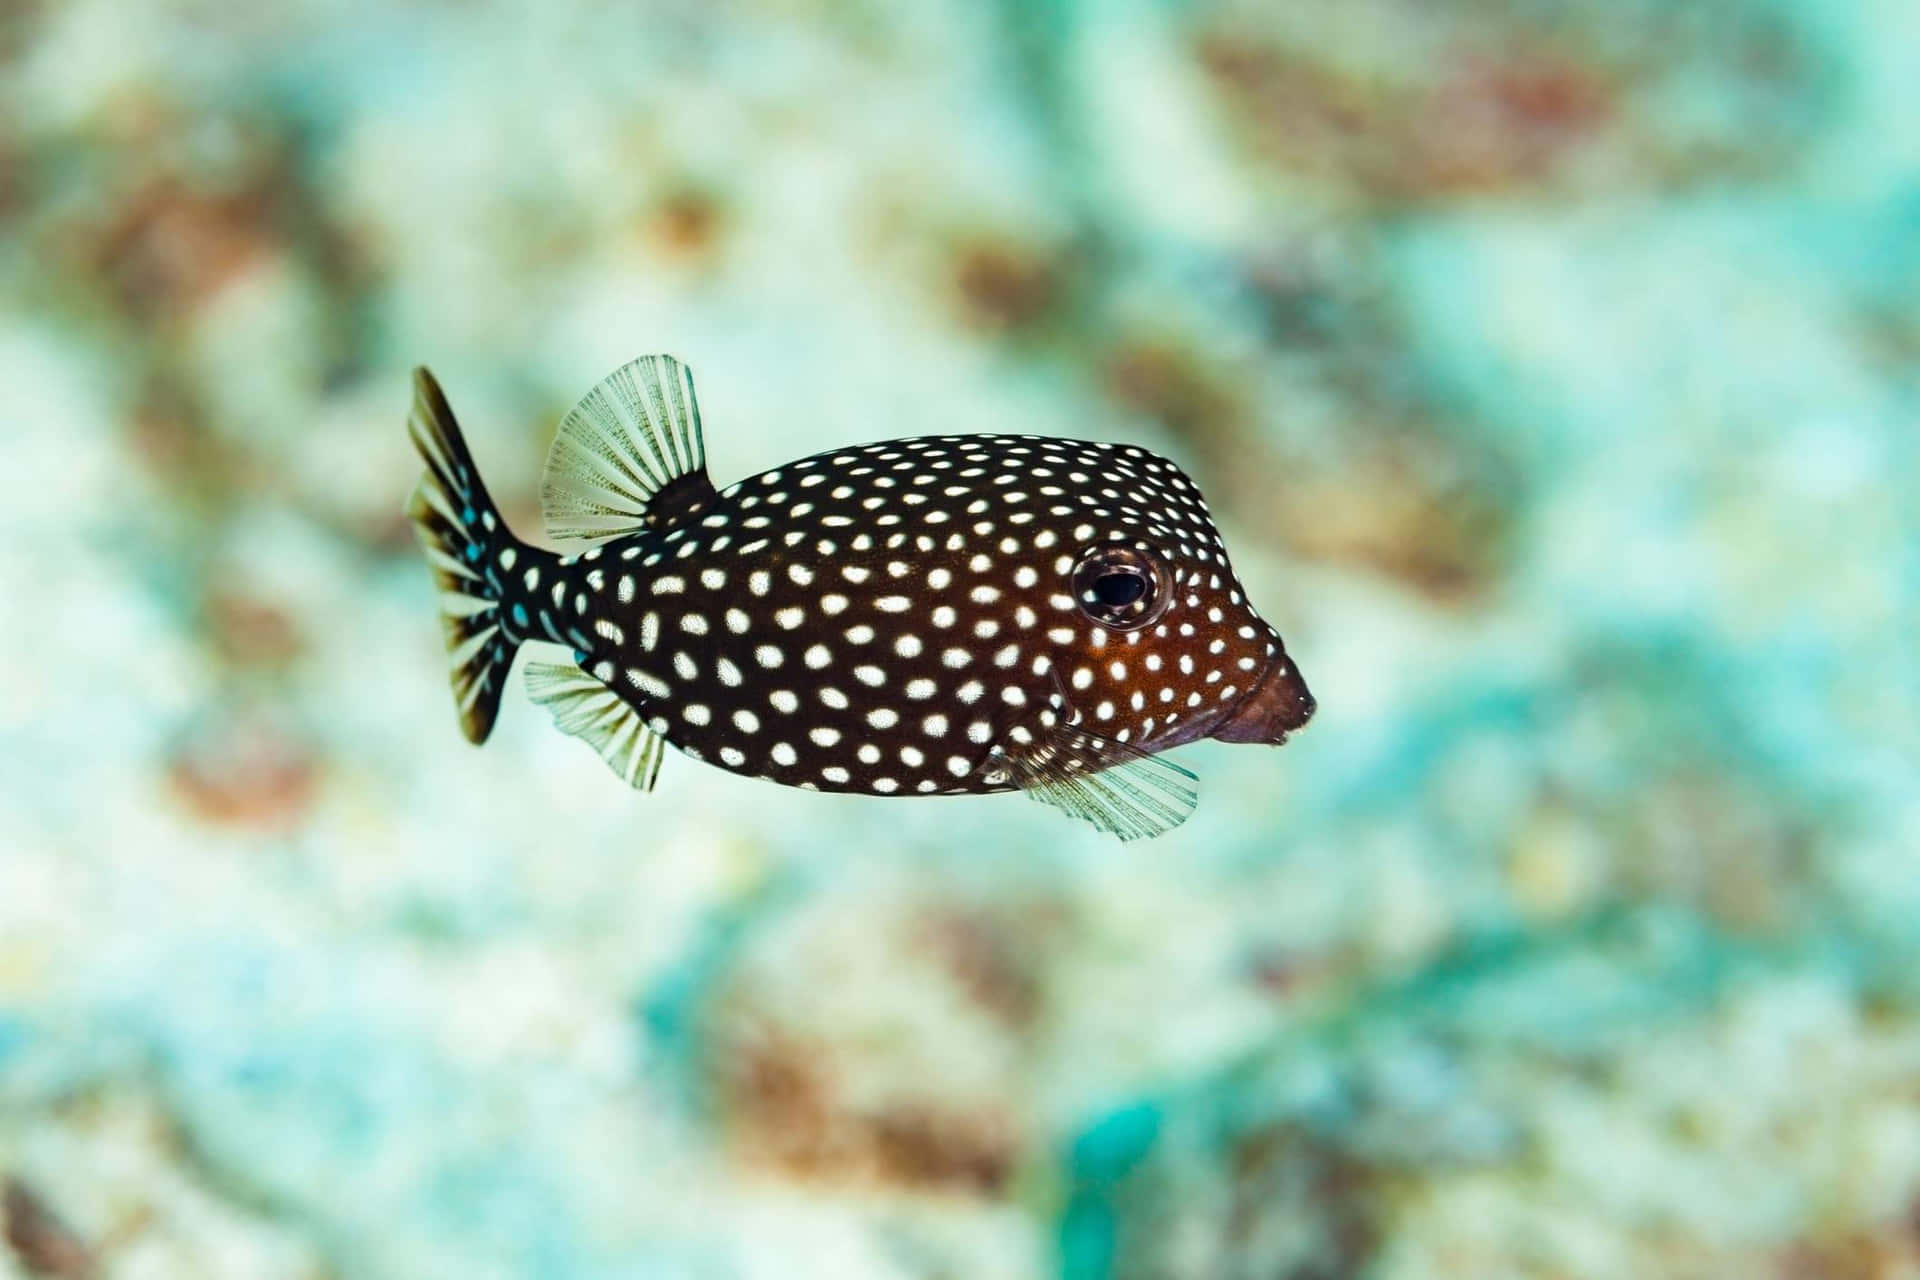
{"type": "Point", "coordinates": [1553, 370]}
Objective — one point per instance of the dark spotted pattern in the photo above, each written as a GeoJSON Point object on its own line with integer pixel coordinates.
{"type": "Point", "coordinates": [938, 615]}
{"type": "Point", "coordinates": [876, 618]}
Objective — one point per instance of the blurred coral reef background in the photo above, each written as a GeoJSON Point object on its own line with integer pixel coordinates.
{"type": "Point", "coordinates": [1554, 372]}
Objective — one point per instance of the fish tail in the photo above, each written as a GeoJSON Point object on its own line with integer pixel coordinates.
{"type": "Point", "coordinates": [468, 546]}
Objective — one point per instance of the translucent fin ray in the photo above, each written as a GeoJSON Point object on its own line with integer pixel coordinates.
{"type": "Point", "coordinates": [1113, 785]}
{"type": "Point", "coordinates": [627, 439]}
{"type": "Point", "coordinates": [596, 715]}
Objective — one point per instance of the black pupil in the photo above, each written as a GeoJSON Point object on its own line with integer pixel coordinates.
{"type": "Point", "coordinates": [1116, 590]}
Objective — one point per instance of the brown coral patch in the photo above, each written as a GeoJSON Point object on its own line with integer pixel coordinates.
{"type": "Point", "coordinates": [1396, 494]}
{"type": "Point", "coordinates": [687, 224]}
{"type": "Point", "coordinates": [925, 1148]}
{"type": "Point", "coordinates": [1402, 510]}
{"type": "Point", "coordinates": [249, 631]}
{"type": "Point", "coordinates": [43, 1245]}
{"type": "Point", "coordinates": [784, 1113]}
{"type": "Point", "coordinates": [1165, 383]}
{"type": "Point", "coordinates": [242, 772]}
{"type": "Point", "coordinates": [1005, 287]}
{"type": "Point", "coordinates": [995, 956]}
{"type": "Point", "coordinates": [1886, 1253]}
{"type": "Point", "coordinates": [172, 247]}
{"type": "Point", "coordinates": [1277, 1172]}
{"type": "Point", "coordinates": [1485, 125]}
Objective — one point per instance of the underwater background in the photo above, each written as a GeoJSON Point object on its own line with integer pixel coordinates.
{"type": "Point", "coordinates": [1553, 370]}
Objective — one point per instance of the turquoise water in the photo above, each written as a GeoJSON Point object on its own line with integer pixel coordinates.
{"type": "Point", "coordinates": [1552, 371]}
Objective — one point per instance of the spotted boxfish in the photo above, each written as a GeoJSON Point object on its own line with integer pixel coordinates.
{"type": "Point", "coordinates": [941, 615]}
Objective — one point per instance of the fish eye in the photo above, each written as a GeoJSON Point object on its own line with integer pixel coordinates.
{"type": "Point", "coordinates": [1122, 587]}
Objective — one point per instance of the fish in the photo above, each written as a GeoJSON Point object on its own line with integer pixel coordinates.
{"type": "Point", "coordinates": [933, 616]}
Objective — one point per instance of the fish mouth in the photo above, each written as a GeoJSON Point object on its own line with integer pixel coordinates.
{"type": "Point", "coordinates": [1277, 705]}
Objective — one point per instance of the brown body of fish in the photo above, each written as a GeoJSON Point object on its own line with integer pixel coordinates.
{"type": "Point", "coordinates": [930, 616]}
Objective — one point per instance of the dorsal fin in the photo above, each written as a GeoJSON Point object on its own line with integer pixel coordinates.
{"type": "Point", "coordinates": [630, 438]}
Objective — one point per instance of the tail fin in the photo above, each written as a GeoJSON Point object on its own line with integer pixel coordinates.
{"type": "Point", "coordinates": [463, 535]}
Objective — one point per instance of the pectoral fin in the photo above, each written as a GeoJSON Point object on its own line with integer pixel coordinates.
{"type": "Point", "coordinates": [1114, 785]}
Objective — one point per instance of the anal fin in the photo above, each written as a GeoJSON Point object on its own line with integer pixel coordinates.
{"type": "Point", "coordinates": [1117, 787]}
{"type": "Point", "coordinates": [599, 717]}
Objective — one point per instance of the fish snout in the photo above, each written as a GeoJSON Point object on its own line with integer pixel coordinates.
{"type": "Point", "coordinates": [1278, 705]}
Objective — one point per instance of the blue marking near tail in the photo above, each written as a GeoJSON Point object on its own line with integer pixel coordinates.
{"type": "Point", "coordinates": [520, 615]}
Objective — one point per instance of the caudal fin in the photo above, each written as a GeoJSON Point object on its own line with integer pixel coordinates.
{"type": "Point", "coordinates": [463, 535]}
